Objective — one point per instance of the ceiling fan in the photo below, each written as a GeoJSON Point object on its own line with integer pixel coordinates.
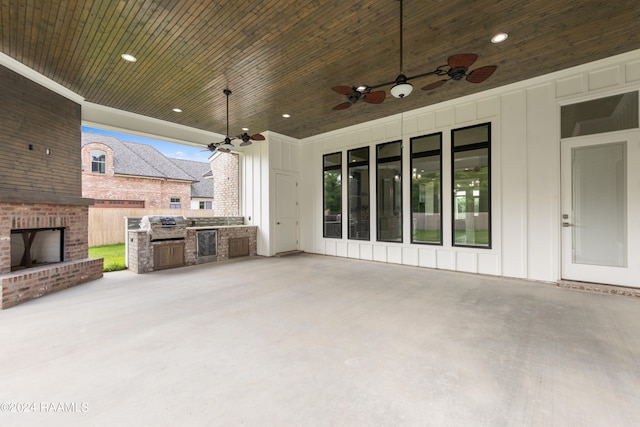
{"type": "Point", "coordinates": [226, 146]}
{"type": "Point", "coordinates": [458, 68]}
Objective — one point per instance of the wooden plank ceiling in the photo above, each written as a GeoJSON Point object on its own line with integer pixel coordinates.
{"type": "Point", "coordinates": [283, 56]}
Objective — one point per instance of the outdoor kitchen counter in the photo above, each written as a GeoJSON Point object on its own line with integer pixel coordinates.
{"type": "Point", "coordinates": [201, 244]}
{"type": "Point", "coordinates": [214, 227]}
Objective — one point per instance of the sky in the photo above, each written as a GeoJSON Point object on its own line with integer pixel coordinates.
{"type": "Point", "coordinates": [169, 149]}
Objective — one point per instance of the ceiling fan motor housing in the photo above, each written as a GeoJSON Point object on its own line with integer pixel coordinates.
{"type": "Point", "coordinates": [457, 73]}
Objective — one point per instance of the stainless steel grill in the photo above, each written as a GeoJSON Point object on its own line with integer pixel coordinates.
{"type": "Point", "coordinates": [164, 227]}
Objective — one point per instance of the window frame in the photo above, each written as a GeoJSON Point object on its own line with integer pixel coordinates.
{"type": "Point", "coordinates": [389, 160]}
{"type": "Point", "coordinates": [461, 149]}
{"type": "Point", "coordinates": [430, 153]}
{"type": "Point", "coordinates": [324, 170]}
{"type": "Point", "coordinates": [174, 203]}
{"type": "Point", "coordinates": [366, 163]}
{"type": "Point", "coordinates": [102, 165]}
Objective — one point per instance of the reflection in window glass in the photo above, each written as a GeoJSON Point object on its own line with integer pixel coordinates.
{"type": "Point", "coordinates": [606, 114]}
{"type": "Point", "coordinates": [332, 205]}
{"type": "Point", "coordinates": [98, 161]}
{"type": "Point", "coordinates": [426, 189]}
{"type": "Point", "coordinates": [471, 188]}
{"type": "Point", "coordinates": [389, 194]}
{"type": "Point", "coordinates": [358, 163]}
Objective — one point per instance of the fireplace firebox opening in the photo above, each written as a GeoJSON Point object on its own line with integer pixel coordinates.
{"type": "Point", "coordinates": [33, 247]}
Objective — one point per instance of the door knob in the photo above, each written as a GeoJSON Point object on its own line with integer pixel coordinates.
{"type": "Point", "coordinates": [278, 223]}
{"type": "Point", "coordinates": [566, 224]}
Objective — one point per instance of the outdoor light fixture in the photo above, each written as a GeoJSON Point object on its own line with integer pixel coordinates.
{"type": "Point", "coordinates": [401, 88]}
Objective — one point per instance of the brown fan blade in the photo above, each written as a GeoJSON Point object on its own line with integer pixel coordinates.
{"type": "Point", "coordinates": [375, 97]}
{"type": "Point", "coordinates": [481, 74]}
{"type": "Point", "coordinates": [463, 60]}
{"type": "Point", "coordinates": [342, 106]}
{"type": "Point", "coordinates": [257, 137]}
{"type": "Point", "coordinates": [343, 90]}
{"type": "Point", "coordinates": [435, 85]}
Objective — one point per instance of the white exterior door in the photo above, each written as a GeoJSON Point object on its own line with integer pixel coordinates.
{"type": "Point", "coordinates": [286, 229]}
{"type": "Point", "coordinates": [601, 208]}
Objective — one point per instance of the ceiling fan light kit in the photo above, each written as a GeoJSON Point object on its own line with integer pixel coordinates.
{"type": "Point", "coordinates": [458, 66]}
{"type": "Point", "coordinates": [401, 88]}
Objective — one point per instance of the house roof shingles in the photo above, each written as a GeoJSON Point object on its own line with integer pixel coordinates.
{"type": "Point", "coordinates": [203, 187]}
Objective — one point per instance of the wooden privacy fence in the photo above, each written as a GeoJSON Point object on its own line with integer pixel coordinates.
{"type": "Point", "coordinates": [107, 225]}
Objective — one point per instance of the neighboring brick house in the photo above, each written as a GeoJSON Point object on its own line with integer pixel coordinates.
{"type": "Point", "coordinates": [125, 174]}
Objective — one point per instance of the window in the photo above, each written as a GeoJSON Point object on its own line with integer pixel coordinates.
{"type": "Point", "coordinates": [426, 189]}
{"type": "Point", "coordinates": [175, 203]}
{"type": "Point", "coordinates": [206, 205]}
{"type": "Point", "coordinates": [389, 194]}
{"type": "Point", "coordinates": [607, 114]}
{"type": "Point", "coordinates": [358, 189]}
{"type": "Point", "coordinates": [98, 161]}
{"type": "Point", "coordinates": [471, 183]}
{"type": "Point", "coordinates": [332, 205]}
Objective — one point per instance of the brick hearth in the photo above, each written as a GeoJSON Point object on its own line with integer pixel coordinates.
{"type": "Point", "coordinates": [76, 267]}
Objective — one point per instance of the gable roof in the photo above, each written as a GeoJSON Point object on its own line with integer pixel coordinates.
{"type": "Point", "coordinates": [203, 187]}
{"type": "Point", "coordinates": [130, 158]}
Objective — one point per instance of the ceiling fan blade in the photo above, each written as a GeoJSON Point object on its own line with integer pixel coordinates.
{"type": "Point", "coordinates": [375, 97]}
{"type": "Point", "coordinates": [481, 74]}
{"type": "Point", "coordinates": [435, 85]}
{"type": "Point", "coordinates": [343, 90]}
{"type": "Point", "coordinates": [257, 137]}
{"type": "Point", "coordinates": [245, 143]}
{"type": "Point", "coordinates": [342, 106]}
{"type": "Point", "coordinates": [463, 60]}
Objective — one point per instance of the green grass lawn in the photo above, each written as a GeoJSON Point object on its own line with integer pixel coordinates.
{"type": "Point", "coordinates": [113, 256]}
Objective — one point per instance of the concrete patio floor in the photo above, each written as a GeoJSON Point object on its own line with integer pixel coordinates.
{"type": "Point", "coordinates": [311, 340]}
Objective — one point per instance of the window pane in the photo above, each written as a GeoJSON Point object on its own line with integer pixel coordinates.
{"type": "Point", "coordinates": [426, 189]}
{"type": "Point", "coordinates": [600, 115]}
{"type": "Point", "coordinates": [470, 135]}
{"type": "Point", "coordinates": [471, 198]}
{"type": "Point", "coordinates": [333, 160]}
{"type": "Point", "coordinates": [332, 208]}
{"type": "Point", "coordinates": [389, 194]}
{"type": "Point", "coordinates": [358, 197]}
{"type": "Point", "coordinates": [98, 161]}
{"type": "Point", "coordinates": [599, 205]}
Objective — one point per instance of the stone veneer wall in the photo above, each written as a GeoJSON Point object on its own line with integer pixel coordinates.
{"type": "Point", "coordinates": [226, 184]}
{"type": "Point", "coordinates": [140, 252]}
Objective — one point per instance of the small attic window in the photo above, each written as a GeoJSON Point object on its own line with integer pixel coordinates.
{"type": "Point", "coordinates": [98, 161]}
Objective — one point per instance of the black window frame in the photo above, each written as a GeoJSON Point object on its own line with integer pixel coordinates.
{"type": "Point", "coordinates": [350, 196]}
{"type": "Point", "coordinates": [326, 169]}
{"type": "Point", "coordinates": [471, 147]}
{"type": "Point", "coordinates": [430, 153]}
{"type": "Point", "coordinates": [378, 217]}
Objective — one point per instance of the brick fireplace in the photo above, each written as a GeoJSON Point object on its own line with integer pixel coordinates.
{"type": "Point", "coordinates": [41, 203]}
{"type": "Point", "coordinates": [69, 267]}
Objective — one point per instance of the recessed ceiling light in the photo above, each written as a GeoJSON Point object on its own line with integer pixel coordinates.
{"type": "Point", "coordinates": [286, 116]}
{"type": "Point", "coordinates": [128, 57]}
{"type": "Point", "coordinates": [499, 38]}
{"type": "Point", "coordinates": [177, 110]}
{"type": "Point", "coordinates": [245, 129]}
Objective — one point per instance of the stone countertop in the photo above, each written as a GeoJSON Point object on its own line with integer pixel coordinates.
{"type": "Point", "coordinates": [214, 227]}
